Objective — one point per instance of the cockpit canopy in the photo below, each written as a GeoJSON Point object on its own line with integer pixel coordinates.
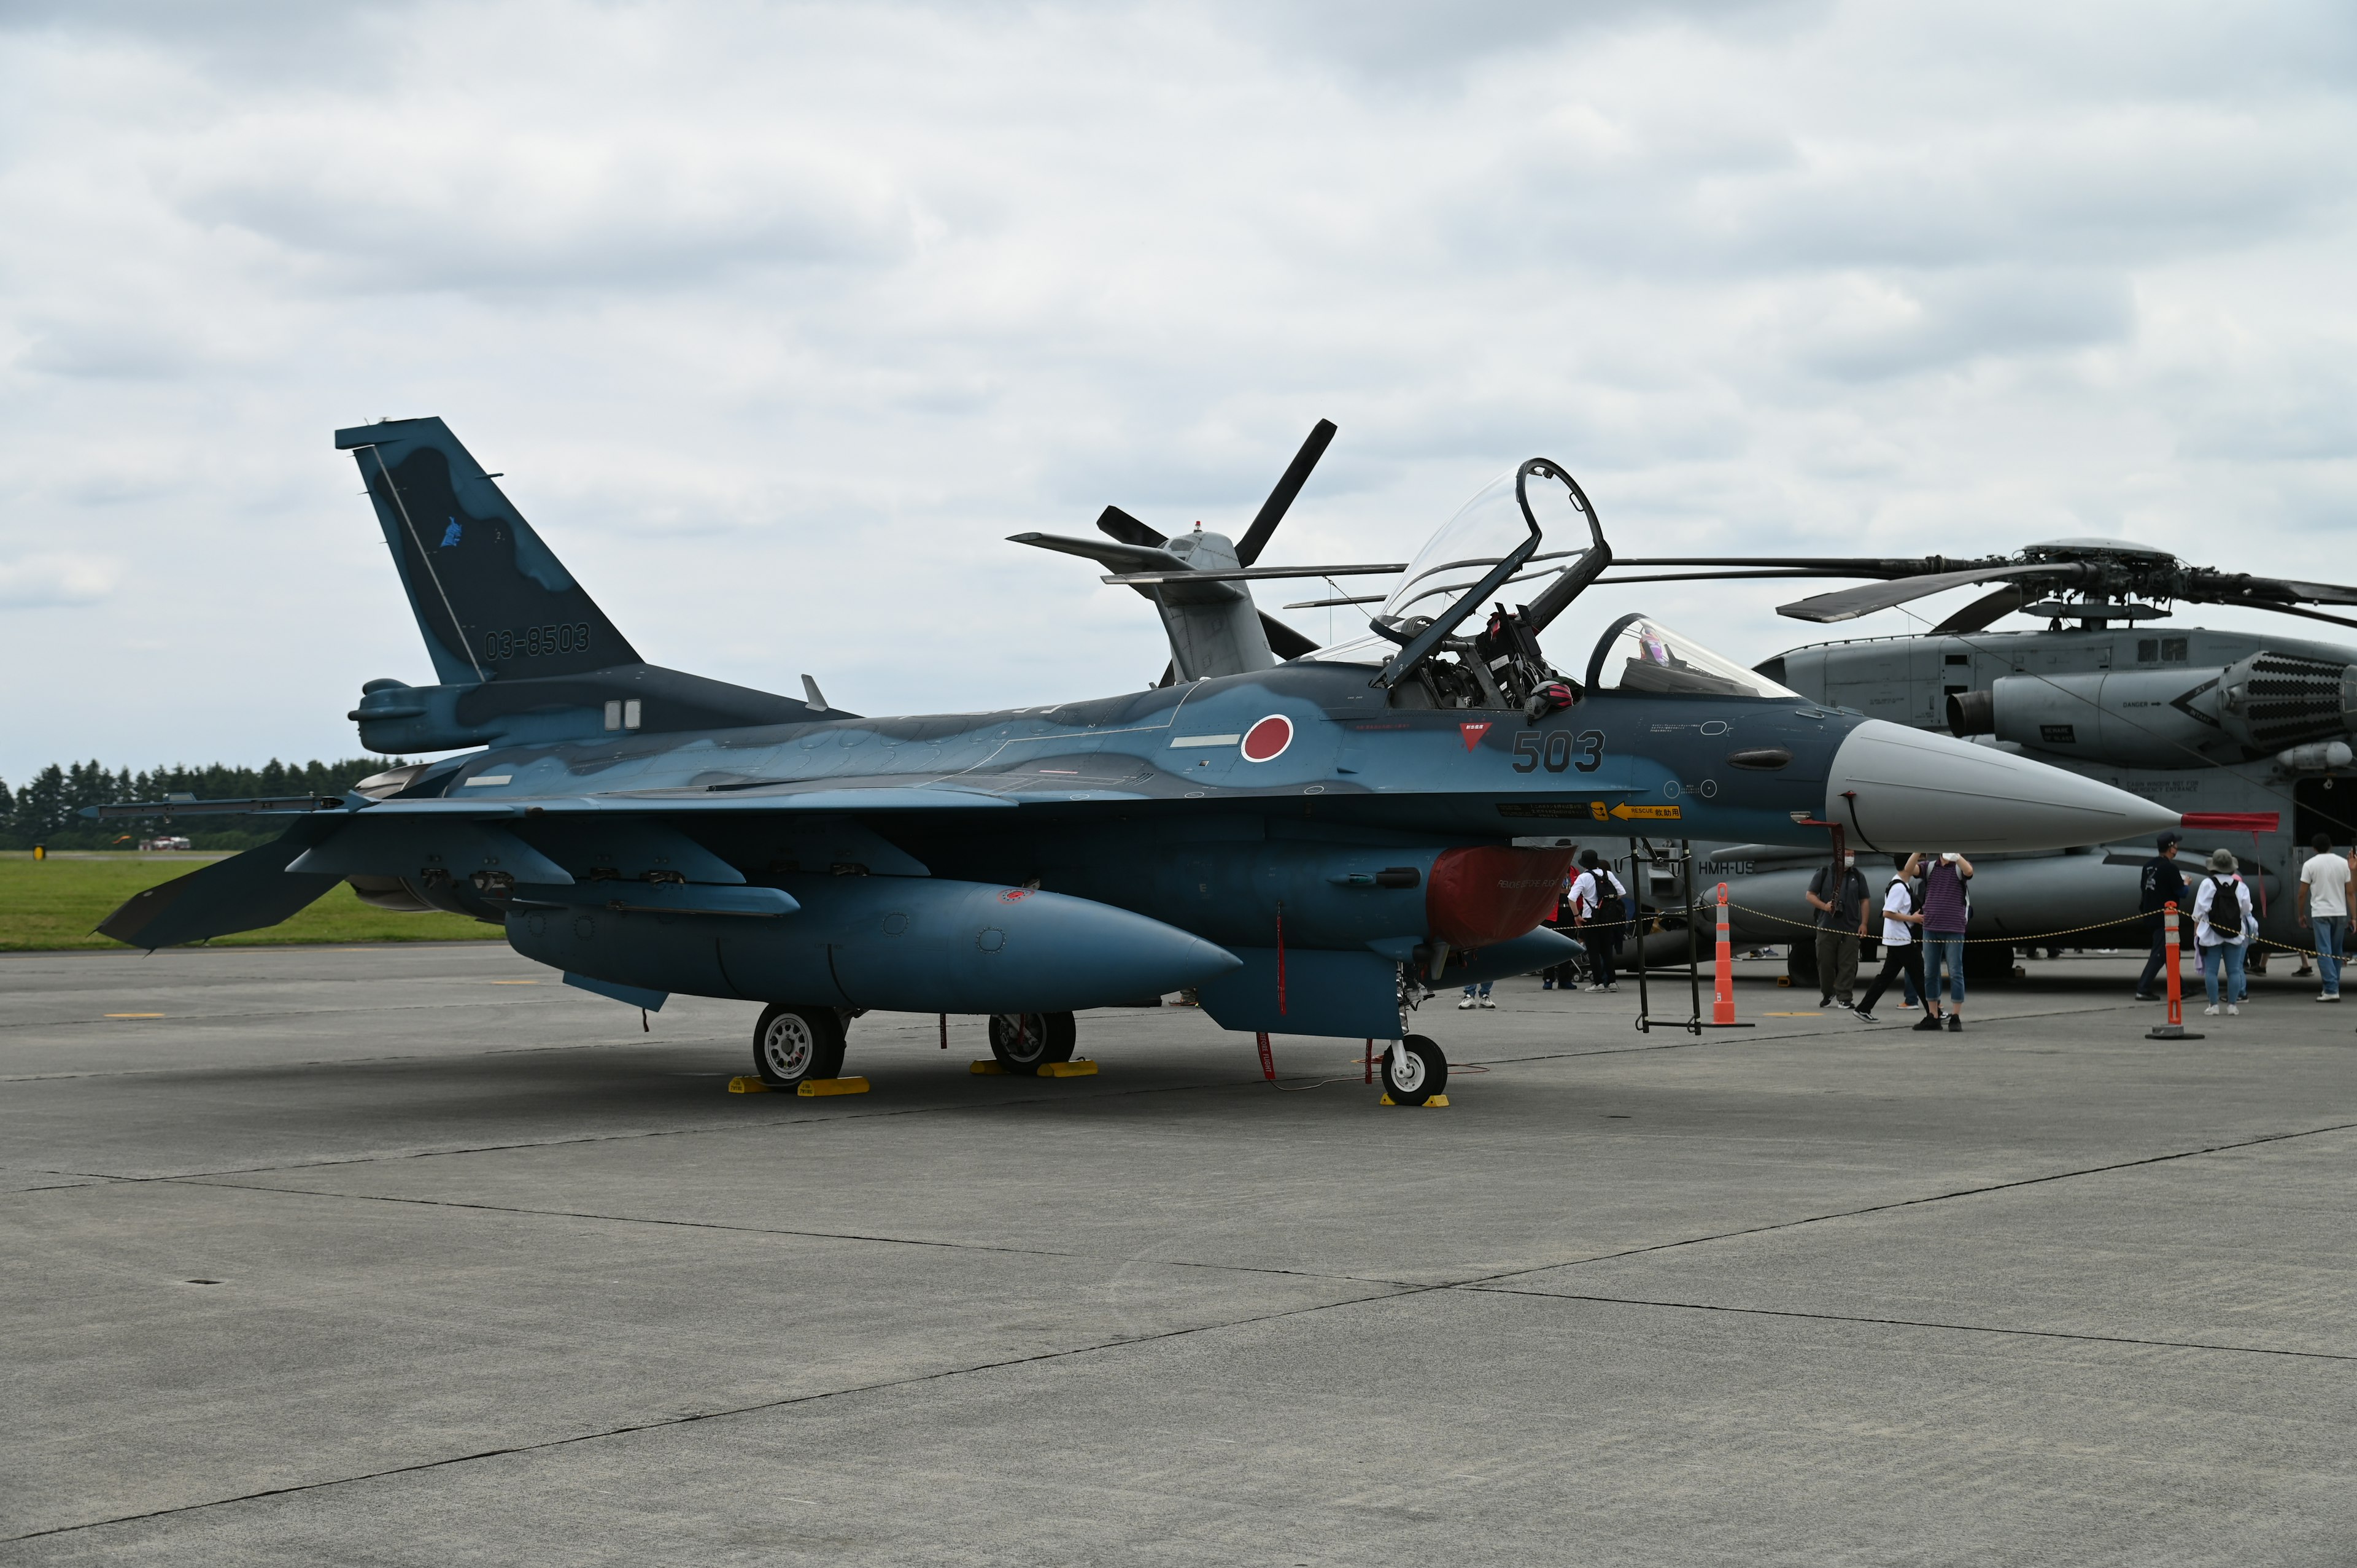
{"type": "Point", "coordinates": [1460, 628]}
{"type": "Point", "coordinates": [1534, 511]}
{"type": "Point", "coordinates": [1640, 656]}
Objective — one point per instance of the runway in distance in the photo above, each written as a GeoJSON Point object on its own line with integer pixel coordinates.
{"type": "Point", "coordinates": [1302, 834]}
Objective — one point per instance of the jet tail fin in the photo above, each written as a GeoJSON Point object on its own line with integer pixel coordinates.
{"type": "Point", "coordinates": [491, 600]}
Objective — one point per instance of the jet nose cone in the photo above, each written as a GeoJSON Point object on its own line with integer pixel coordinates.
{"type": "Point", "coordinates": [1897, 788]}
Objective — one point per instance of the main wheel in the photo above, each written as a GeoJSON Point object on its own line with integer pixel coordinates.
{"type": "Point", "coordinates": [1022, 1041]}
{"type": "Point", "coordinates": [792, 1044]}
{"type": "Point", "coordinates": [1423, 1075]}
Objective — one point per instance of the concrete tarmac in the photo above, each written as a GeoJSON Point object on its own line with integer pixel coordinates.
{"type": "Point", "coordinates": [414, 1255]}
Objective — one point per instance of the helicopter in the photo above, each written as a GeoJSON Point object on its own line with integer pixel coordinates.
{"type": "Point", "coordinates": [2248, 736]}
{"type": "Point", "coordinates": [1306, 840]}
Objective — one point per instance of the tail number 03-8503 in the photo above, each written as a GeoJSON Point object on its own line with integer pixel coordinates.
{"type": "Point", "coordinates": [1556, 750]}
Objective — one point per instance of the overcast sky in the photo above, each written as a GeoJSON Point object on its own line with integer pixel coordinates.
{"type": "Point", "coordinates": [779, 318]}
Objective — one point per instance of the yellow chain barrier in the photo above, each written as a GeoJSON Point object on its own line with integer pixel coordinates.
{"type": "Point", "coordinates": [2039, 939]}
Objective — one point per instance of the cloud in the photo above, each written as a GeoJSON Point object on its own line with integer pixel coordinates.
{"type": "Point", "coordinates": [50, 582]}
{"type": "Point", "coordinates": [781, 318]}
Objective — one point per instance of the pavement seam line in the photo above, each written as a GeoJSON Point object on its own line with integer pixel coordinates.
{"type": "Point", "coordinates": [1908, 1323]}
{"type": "Point", "coordinates": [692, 1418]}
{"type": "Point", "coordinates": [202, 1182]}
{"type": "Point", "coordinates": [1915, 1202]}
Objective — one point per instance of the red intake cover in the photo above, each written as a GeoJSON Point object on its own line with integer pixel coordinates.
{"type": "Point", "coordinates": [1476, 896]}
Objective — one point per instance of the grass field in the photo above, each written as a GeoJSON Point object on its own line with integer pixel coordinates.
{"type": "Point", "coordinates": [54, 903]}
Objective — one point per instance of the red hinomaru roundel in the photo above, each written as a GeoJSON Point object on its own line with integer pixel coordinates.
{"type": "Point", "coordinates": [1266, 741]}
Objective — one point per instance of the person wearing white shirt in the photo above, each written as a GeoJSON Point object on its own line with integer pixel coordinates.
{"type": "Point", "coordinates": [2222, 930]}
{"type": "Point", "coordinates": [2325, 911]}
{"type": "Point", "coordinates": [1901, 952]}
{"type": "Point", "coordinates": [1599, 902]}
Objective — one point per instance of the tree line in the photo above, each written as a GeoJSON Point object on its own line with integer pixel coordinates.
{"type": "Point", "coordinates": [46, 810]}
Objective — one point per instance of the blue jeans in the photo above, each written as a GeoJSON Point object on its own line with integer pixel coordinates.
{"type": "Point", "coordinates": [1943, 948]}
{"type": "Point", "coordinates": [1484, 991]}
{"type": "Point", "coordinates": [2237, 986]}
{"type": "Point", "coordinates": [2331, 935]}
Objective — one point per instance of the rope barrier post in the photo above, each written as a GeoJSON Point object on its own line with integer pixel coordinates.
{"type": "Point", "coordinates": [2175, 1028]}
{"type": "Point", "coordinates": [1693, 956]}
{"type": "Point", "coordinates": [1644, 1001]}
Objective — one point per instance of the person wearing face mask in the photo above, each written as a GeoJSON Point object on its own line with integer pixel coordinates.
{"type": "Point", "coordinates": [1838, 896]}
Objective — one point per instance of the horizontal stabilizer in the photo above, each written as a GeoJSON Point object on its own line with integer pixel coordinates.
{"type": "Point", "coordinates": [257, 805]}
{"type": "Point", "coordinates": [243, 893]}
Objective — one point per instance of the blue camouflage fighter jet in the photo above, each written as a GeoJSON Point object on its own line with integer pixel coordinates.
{"type": "Point", "coordinates": [1307, 837]}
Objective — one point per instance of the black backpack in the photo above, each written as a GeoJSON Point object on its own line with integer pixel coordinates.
{"type": "Point", "coordinates": [2225, 908]}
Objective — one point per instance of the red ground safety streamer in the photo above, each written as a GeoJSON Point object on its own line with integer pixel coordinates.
{"type": "Point", "coordinates": [1280, 969]}
{"type": "Point", "coordinates": [1267, 1058]}
{"type": "Point", "coordinates": [945, 1031]}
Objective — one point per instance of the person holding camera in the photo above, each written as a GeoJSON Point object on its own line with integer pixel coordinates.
{"type": "Point", "coordinates": [1947, 910]}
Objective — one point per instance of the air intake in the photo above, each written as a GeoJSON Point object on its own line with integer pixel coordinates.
{"type": "Point", "coordinates": [2277, 700]}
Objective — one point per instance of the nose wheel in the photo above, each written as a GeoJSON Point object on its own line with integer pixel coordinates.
{"type": "Point", "coordinates": [1415, 1071]}
{"type": "Point", "coordinates": [1023, 1041]}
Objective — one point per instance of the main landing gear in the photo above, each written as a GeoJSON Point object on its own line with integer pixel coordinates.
{"type": "Point", "coordinates": [792, 1044]}
{"type": "Point", "coordinates": [1023, 1041]}
{"type": "Point", "coordinates": [1414, 1071]}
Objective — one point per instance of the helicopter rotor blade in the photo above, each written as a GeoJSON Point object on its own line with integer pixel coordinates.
{"type": "Point", "coordinates": [1288, 485]}
{"type": "Point", "coordinates": [1983, 611]}
{"type": "Point", "coordinates": [2267, 593]}
{"type": "Point", "coordinates": [1120, 525]}
{"type": "Point", "coordinates": [1848, 604]}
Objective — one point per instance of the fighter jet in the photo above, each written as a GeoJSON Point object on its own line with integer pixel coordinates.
{"type": "Point", "coordinates": [1305, 836]}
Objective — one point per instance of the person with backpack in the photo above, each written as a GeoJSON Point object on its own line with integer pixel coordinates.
{"type": "Point", "coordinates": [1838, 896]}
{"type": "Point", "coordinates": [2221, 926]}
{"type": "Point", "coordinates": [2161, 884]}
{"type": "Point", "coordinates": [1901, 952]}
{"type": "Point", "coordinates": [1599, 904]}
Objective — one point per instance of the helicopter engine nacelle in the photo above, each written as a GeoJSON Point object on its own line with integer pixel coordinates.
{"type": "Point", "coordinates": [2166, 718]}
{"type": "Point", "coordinates": [2273, 701]}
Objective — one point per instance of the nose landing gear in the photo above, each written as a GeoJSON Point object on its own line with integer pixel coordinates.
{"type": "Point", "coordinates": [1415, 1071]}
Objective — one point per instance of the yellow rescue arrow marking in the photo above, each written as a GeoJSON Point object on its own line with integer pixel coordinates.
{"type": "Point", "coordinates": [1649, 813]}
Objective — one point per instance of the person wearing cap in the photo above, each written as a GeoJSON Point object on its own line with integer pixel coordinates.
{"type": "Point", "coordinates": [2221, 927]}
{"type": "Point", "coordinates": [2325, 911]}
{"type": "Point", "coordinates": [2161, 885]}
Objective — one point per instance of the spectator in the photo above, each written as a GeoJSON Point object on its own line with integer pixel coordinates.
{"type": "Point", "coordinates": [1947, 911]}
{"type": "Point", "coordinates": [2161, 885]}
{"type": "Point", "coordinates": [2221, 925]}
{"type": "Point", "coordinates": [1840, 899]}
{"type": "Point", "coordinates": [1564, 924]}
{"type": "Point", "coordinates": [1901, 952]}
{"type": "Point", "coordinates": [2326, 911]}
{"type": "Point", "coordinates": [1599, 904]}
{"type": "Point", "coordinates": [1477, 996]}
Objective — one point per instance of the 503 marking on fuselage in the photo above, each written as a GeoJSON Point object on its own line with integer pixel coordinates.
{"type": "Point", "coordinates": [1556, 753]}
